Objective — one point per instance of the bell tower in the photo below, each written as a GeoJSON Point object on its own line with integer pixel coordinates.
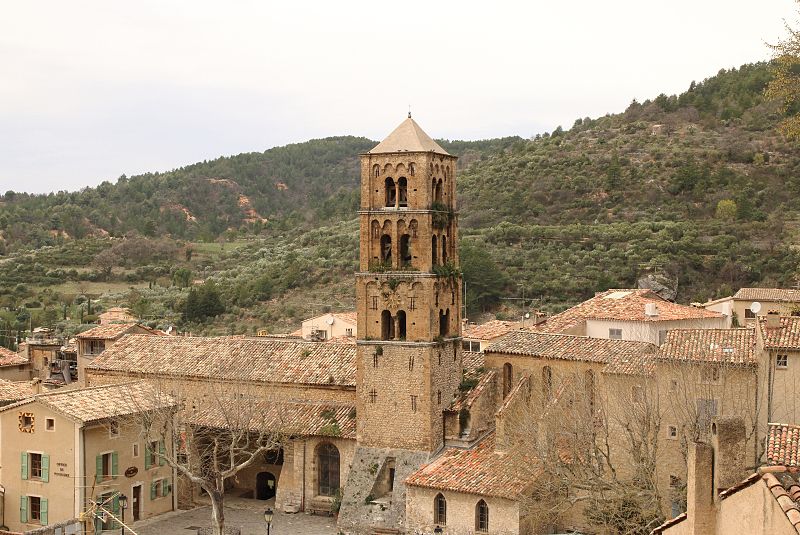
{"type": "Point", "coordinates": [407, 292]}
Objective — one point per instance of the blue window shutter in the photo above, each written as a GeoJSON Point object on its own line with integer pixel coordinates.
{"type": "Point", "coordinates": [24, 461]}
{"type": "Point", "coordinates": [114, 465]}
{"type": "Point", "coordinates": [23, 509]}
{"type": "Point", "coordinates": [45, 468]}
{"type": "Point", "coordinates": [43, 511]}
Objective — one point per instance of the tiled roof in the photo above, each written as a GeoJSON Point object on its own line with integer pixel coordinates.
{"type": "Point", "coordinates": [479, 470]}
{"type": "Point", "coordinates": [464, 400]}
{"type": "Point", "coordinates": [523, 387]}
{"type": "Point", "coordinates": [785, 337]}
{"type": "Point", "coordinates": [14, 391]}
{"type": "Point", "coordinates": [783, 445]}
{"type": "Point", "coordinates": [768, 294]}
{"type": "Point", "coordinates": [9, 358]}
{"type": "Point", "coordinates": [473, 363]}
{"type": "Point", "coordinates": [344, 339]}
{"type": "Point", "coordinates": [293, 418]}
{"type": "Point", "coordinates": [108, 332]}
{"type": "Point", "coordinates": [101, 402]}
{"type": "Point", "coordinates": [490, 330]}
{"type": "Point", "coordinates": [732, 346]}
{"type": "Point", "coordinates": [623, 305]}
{"type": "Point", "coordinates": [408, 137]}
{"type": "Point", "coordinates": [568, 347]}
{"type": "Point", "coordinates": [641, 365]}
{"type": "Point", "coordinates": [232, 357]}
{"type": "Point", "coordinates": [350, 316]}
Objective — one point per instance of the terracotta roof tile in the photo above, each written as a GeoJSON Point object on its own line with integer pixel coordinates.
{"type": "Point", "coordinates": [669, 523]}
{"type": "Point", "coordinates": [568, 347]}
{"type": "Point", "coordinates": [783, 445]}
{"type": "Point", "coordinates": [350, 316]}
{"type": "Point", "coordinates": [490, 330]}
{"type": "Point", "coordinates": [623, 305]}
{"type": "Point", "coordinates": [14, 391]}
{"type": "Point", "coordinates": [408, 137]}
{"type": "Point", "coordinates": [101, 402]}
{"type": "Point", "coordinates": [479, 470]}
{"type": "Point", "coordinates": [112, 331]}
{"type": "Point", "coordinates": [9, 358]}
{"type": "Point", "coordinates": [295, 418]}
{"type": "Point", "coordinates": [474, 363]}
{"type": "Point", "coordinates": [732, 346]}
{"type": "Point", "coordinates": [787, 336]}
{"type": "Point", "coordinates": [464, 400]}
{"type": "Point", "coordinates": [344, 339]}
{"type": "Point", "coordinates": [231, 357]}
{"type": "Point", "coordinates": [768, 294]}
{"type": "Point", "coordinates": [643, 364]}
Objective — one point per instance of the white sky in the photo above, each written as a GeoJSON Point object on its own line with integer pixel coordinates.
{"type": "Point", "coordinates": [93, 89]}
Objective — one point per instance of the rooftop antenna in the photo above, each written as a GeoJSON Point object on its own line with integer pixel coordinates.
{"type": "Point", "coordinates": [409, 111]}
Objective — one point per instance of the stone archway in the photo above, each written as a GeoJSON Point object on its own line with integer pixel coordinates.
{"type": "Point", "coordinates": [266, 486]}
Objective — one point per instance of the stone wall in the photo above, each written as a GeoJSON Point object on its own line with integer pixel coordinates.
{"type": "Point", "coordinates": [504, 516]}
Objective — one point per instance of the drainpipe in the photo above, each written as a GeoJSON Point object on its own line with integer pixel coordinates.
{"type": "Point", "coordinates": [303, 497]}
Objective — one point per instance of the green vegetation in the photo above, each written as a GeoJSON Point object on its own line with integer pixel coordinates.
{"type": "Point", "coordinates": [698, 186]}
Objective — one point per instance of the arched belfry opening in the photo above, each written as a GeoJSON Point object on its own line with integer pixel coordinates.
{"type": "Point", "coordinates": [444, 249]}
{"type": "Point", "coordinates": [386, 249]}
{"type": "Point", "coordinates": [405, 250]}
{"type": "Point", "coordinates": [434, 251]}
{"type": "Point", "coordinates": [402, 192]}
{"type": "Point", "coordinates": [391, 193]}
{"type": "Point", "coordinates": [401, 324]}
{"type": "Point", "coordinates": [387, 326]}
{"type": "Point", "coordinates": [444, 322]}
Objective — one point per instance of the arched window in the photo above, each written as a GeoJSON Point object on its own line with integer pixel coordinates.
{"type": "Point", "coordinates": [439, 510]}
{"type": "Point", "coordinates": [405, 250]}
{"type": "Point", "coordinates": [391, 192]}
{"type": "Point", "coordinates": [508, 378]}
{"type": "Point", "coordinates": [387, 326]}
{"type": "Point", "coordinates": [386, 249]}
{"type": "Point", "coordinates": [401, 324]}
{"type": "Point", "coordinates": [547, 384]}
{"type": "Point", "coordinates": [434, 251]}
{"type": "Point", "coordinates": [444, 322]}
{"type": "Point", "coordinates": [438, 194]}
{"type": "Point", "coordinates": [402, 191]}
{"type": "Point", "coordinates": [481, 516]}
{"type": "Point", "coordinates": [444, 249]}
{"type": "Point", "coordinates": [327, 469]}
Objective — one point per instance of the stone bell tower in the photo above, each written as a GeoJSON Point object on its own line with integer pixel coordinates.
{"type": "Point", "coordinates": [407, 292]}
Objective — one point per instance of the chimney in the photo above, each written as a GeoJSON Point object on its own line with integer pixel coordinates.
{"type": "Point", "coordinates": [701, 515]}
{"type": "Point", "coordinates": [728, 442]}
{"type": "Point", "coordinates": [773, 319]}
{"type": "Point", "coordinates": [650, 309]}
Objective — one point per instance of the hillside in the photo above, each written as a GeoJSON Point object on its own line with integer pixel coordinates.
{"type": "Point", "coordinates": [697, 188]}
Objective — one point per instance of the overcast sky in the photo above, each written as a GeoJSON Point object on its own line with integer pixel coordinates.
{"type": "Point", "coordinates": [90, 90]}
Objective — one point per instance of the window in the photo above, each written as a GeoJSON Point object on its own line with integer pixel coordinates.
{"type": "Point", "coordinates": [672, 431]}
{"type": "Point", "coordinates": [35, 466]}
{"type": "Point", "coordinates": [412, 303]}
{"type": "Point", "coordinates": [113, 428]}
{"type": "Point", "coordinates": [439, 397]}
{"type": "Point", "coordinates": [50, 424]}
{"type": "Point", "coordinates": [375, 360]}
{"type": "Point", "coordinates": [481, 516]}
{"type": "Point", "coordinates": [151, 457]}
{"type": "Point", "coordinates": [328, 469]}
{"type": "Point", "coordinates": [709, 374]}
{"type": "Point", "coordinates": [160, 488]}
{"type": "Point", "coordinates": [749, 313]}
{"type": "Point", "coordinates": [348, 332]}
{"type": "Point", "coordinates": [107, 466]}
{"type": "Point", "coordinates": [136, 449]}
{"type": "Point", "coordinates": [373, 395]}
{"type": "Point", "coordinates": [411, 363]}
{"type": "Point", "coordinates": [95, 347]}
{"type": "Point", "coordinates": [440, 510]}
{"type": "Point", "coordinates": [26, 422]}
{"type": "Point", "coordinates": [413, 403]}
{"type": "Point", "coordinates": [782, 361]}
{"type": "Point", "coordinates": [615, 334]}
{"type": "Point", "coordinates": [374, 302]}
{"type": "Point", "coordinates": [35, 508]}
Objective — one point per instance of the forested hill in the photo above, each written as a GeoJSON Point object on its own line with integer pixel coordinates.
{"type": "Point", "coordinates": [280, 188]}
{"type": "Point", "coordinates": [697, 188]}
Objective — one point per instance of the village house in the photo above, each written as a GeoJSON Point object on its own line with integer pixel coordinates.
{"type": "Point", "coordinates": [476, 337]}
{"type": "Point", "coordinates": [65, 448]}
{"type": "Point", "coordinates": [13, 391]}
{"type": "Point", "coordinates": [116, 315]}
{"type": "Point", "coordinates": [93, 342]}
{"type": "Point", "coordinates": [721, 500]}
{"type": "Point", "coordinates": [329, 326]}
{"type": "Point", "coordinates": [630, 314]}
{"type": "Point", "coordinates": [42, 349]}
{"type": "Point", "coordinates": [14, 366]}
{"type": "Point", "coordinates": [738, 308]}
{"type": "Point", "coordinates": [779, 341]}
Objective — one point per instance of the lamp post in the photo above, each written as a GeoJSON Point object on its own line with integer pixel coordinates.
{"type": "Point", "coordinates": [438, 530]}
{"type": "Point", "coordinates": [123, 503]}
{"type": "Point", "coordinates": [268, 518]}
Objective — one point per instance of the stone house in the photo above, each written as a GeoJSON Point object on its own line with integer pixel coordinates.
{"type": "Point", "coordinates": [630, 314]}
{"type": "Point", "coordinates": [330, 326]}
{"type": "Point", "coordinates": [42, 350]}
{"type": "Point", "coordinates": [116, 315]}
{"type": "Point", "coordinates": [738, 306]}
{"type": "Point", "coordinates": [721, 500]}
{"type": "Point", "coordinates": [779, 340]}
{"type": "Point", "coordinates": [93, 342]}
{"type": "Point", "coordinates": [65, 448]}
{"type": "Point", "coordinates": [14, 366]}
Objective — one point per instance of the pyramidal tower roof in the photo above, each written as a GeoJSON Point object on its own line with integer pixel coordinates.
{"type": "Point", "coordinates": [408, 137]}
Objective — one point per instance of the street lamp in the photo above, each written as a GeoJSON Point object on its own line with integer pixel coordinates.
{"type": "Point", "coordinates": [123, 503]}
{"type": "Point", "coordinates": [438, 530]}
{"type": "Point", "coordinates": [268, 518]}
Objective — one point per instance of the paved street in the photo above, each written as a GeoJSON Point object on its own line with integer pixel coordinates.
{"type": "Point", "coordinates": [247, 517]}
